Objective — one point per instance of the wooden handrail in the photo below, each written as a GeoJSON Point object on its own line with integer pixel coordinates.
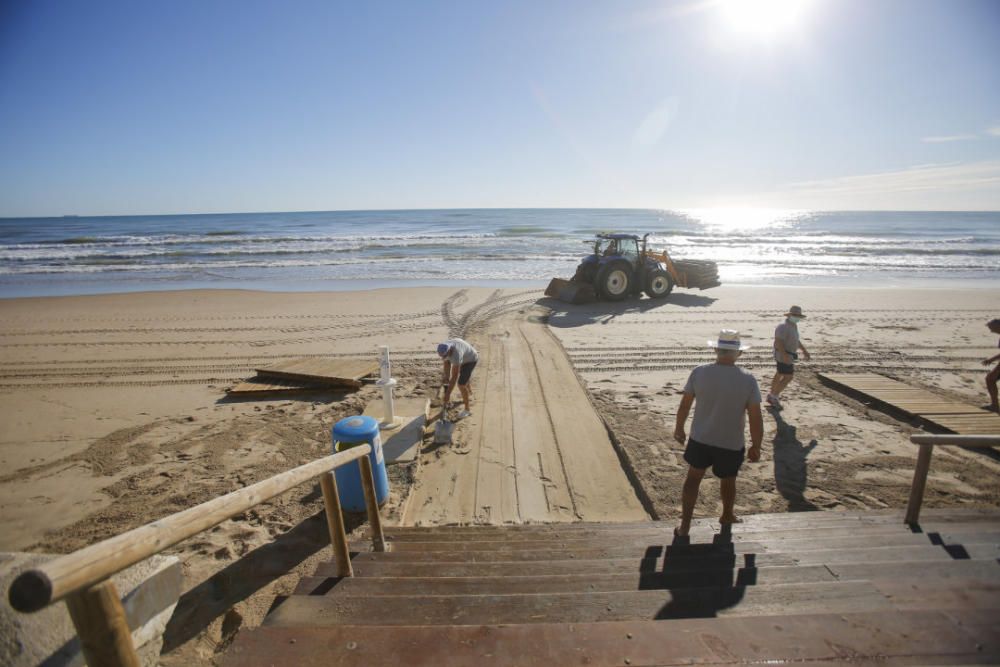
{"type": "Point", "coordinates": [52, 581]}
{"type": "Point", "coordinates": [927, 444]}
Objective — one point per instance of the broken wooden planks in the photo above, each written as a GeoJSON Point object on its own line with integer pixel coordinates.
{"type": "Point", "coordinates": [307, 374]}
{"type": "Point", "coordinates": [947, 414]}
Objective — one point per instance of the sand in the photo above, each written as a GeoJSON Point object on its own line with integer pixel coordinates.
{"type": "Point", "coordinates": [113, 413]}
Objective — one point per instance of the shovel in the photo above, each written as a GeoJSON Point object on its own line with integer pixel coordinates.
{"type": "Point", "coordinates": [443, 428]}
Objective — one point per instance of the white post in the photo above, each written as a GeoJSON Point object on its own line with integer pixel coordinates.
{"type": "Point", "coordinates": [387, 383]}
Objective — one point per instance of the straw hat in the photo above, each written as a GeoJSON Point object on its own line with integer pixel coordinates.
{"type": "Point", "coordinates": [729, 339]}
{"type": "Point", "coordinates": [795, 311]}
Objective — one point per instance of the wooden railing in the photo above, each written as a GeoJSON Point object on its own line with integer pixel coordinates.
{"type": "Point", "coordinates": [927, 444]}
{"type": "Point", "coordinates": [82, 578]}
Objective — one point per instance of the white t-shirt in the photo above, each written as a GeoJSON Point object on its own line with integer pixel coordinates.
{"type": "Point", "coordinates": [722, 394]}
{"type": "Point", "coordinates": [788, 333]}
{"type": "Point", "coordinates": [461, 352]}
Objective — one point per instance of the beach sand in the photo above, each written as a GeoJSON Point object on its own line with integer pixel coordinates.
{"type": "Point", "coordinates": [114, 413]}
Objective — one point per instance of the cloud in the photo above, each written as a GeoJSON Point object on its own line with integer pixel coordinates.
{"type": "Point", "coordinates": [993, 131]}
{"type": "Point", "coordinates": [952, 137]}
{"type": "Point", "coordinates": [928, 178]}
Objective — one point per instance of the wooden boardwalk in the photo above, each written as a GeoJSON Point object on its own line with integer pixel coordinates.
{"type": "Point", "coordinates": [946, 414]}
{"type": "Point", "coordinates": [804, 588]}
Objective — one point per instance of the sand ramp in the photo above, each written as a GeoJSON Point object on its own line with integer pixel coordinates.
{"type": "Point", "coordinates": [534, 448]}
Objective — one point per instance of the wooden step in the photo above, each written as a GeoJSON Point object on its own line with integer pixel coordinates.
{"type": "Point", "coordinates": [675, 556]}
{"type": "Point", "coordinates": [664, 532]}
{"type": "Point", "coordinates": [809, 598]}
{"type": "Point", "coordinates": [561, 583]}
{"type": "Point", "coordinates": [599, 567]}
{"type": "Point", "coordinates": [783, 542]}
{"type": "Point", "coordinates": [935, 571]}
{"type": "Point", "coordinates": [788, 519]}
{"type": "Point", "coordinates": [885, 639]}
{"type": "Point", "coordinates": [955, 593]}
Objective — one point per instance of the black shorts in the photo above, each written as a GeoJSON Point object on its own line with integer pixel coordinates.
{"type": "Point", "coordinates": [724, 462]}
{"type": "Point", "coordinates": [786, 369]}
{"type": "Point", "coordinates": [466, 372]}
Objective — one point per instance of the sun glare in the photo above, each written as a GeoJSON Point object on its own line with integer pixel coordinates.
{"type": "Point", "coordinates": [763, 18]}
{"type": "Point", "coordinates": [743, 219]}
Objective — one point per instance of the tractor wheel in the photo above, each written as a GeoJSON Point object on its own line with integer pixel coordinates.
{"type": "Point", "coordinates": [658, 284]}
{"type": "Point", "coordinates": [614, 281]}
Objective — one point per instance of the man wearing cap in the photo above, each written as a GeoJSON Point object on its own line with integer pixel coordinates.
{"type": "Point", "coordinates": [459, 361]}
{"type": "Point", "coordinates": [724, 396]}
{"type": "Point", "coordinates": [786, 346]}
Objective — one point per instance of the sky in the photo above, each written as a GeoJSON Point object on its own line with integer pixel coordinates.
{"type": "Point", "coordinates": [188, 106]}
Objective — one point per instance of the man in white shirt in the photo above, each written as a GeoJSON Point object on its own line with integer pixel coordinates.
{"type": "Point", "coordinates": [724, 397]}
{"type": "Point", "coordinates": [460, 360]}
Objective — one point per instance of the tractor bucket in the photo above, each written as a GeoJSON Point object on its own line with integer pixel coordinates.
{"type": "Point", "coordinates": [570, 292]}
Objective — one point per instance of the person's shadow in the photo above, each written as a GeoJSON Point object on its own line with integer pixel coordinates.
{"type": "Point", "coordinates": [702, 578]}
{"type": "Point", "coordinates": [791, 471]}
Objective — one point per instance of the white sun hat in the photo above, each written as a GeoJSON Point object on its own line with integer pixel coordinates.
{"type": "Point", "coordinates": [729, 339]}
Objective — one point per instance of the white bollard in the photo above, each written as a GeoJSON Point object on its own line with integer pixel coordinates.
{"type": "Point", "coordinates": [387, 383]}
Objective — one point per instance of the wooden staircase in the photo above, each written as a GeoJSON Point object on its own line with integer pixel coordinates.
{"type": "Point", "coordinates": [832, 587]}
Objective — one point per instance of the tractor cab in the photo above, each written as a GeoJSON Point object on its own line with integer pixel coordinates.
{"type": "Point", "coordinates": [625, 246]}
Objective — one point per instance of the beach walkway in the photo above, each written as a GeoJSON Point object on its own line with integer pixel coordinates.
{"type": "Point", "coordinates": [534, 449]}
{"type": "Point", "coordinates": [954, 416]}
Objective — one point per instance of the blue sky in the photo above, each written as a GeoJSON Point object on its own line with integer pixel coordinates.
{"type": "Point", "coordinates": [174, 107]}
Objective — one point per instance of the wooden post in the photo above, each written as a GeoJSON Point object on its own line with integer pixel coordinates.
{"type": "Point", "coordinates": [335, 522]}
{"type": "Point", "coordinates": [919, 482]}
{"type": "Point", "coordinates": [371, 503]}
{"type": "Point", "coordinates": [104, 634]}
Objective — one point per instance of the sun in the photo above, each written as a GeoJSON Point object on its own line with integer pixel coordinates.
{"type": "Point", "coordinates": [763, 18]}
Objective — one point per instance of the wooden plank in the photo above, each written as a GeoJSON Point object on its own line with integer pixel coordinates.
{"type": "Point", "coordinates": [332, 372]}
{"type": "Point", "coordinates": [780, 600]}
{"type": "Point", "coordinates": [893, 518]}
{"type": "Point", "coordinates": [951, 594]}
{"type": "Point", "coordinates": [561, 583]}
{"type": "Point", "coordinates": [913, 637]}
{"type": "Point", "coordinates": [947, 414]}
{"type": "Point", "coordinates": [940, 571]}
{"type": "Point", "coordinates": [365, 568]}
{"type": "Point", "coordinates": [785, 541]}
{"type": "Point", "coordinates": [763, 536]}
{"type": "Point", "coordinates": [262, 386]}
{"type": "Point", "coordinates": [687, 558]}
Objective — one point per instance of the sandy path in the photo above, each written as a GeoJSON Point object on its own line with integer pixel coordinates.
{"type": "Point", "coordinates": [534, 449]}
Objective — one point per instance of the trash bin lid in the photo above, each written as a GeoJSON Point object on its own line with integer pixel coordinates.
{"type": "Point", "coordinates": [355, 429]}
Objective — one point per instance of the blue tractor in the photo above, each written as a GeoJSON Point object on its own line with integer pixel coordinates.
{"type": "Point", "coordinates": [623, 265]}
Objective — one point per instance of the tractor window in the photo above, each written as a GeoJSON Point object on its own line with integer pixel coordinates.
{"type": "Point", "coordinates": [607, 247]}
{"type": "Point", "coordinates": [629, 250]}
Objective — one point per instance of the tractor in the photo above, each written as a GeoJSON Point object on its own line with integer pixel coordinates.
{"type": "Point", "coordinates": [623, 265]}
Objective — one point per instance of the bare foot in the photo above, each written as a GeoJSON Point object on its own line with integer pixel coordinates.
{"type": "Point", "coordinates": [726, 519]}
{"type": "Point", "coordinates": [679, 533]}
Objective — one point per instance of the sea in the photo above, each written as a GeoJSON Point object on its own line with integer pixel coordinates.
{"type": "Point", "coordinates": [349, 250]}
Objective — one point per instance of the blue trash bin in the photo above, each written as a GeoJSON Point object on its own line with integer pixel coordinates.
{"type": "Point", "coordinates": [351, 432]}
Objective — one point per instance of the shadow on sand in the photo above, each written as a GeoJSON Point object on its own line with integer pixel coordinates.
{"type": "Point", "coordinates": [567, 316]}
{"type": "Point", "coordinates": [791, 472]}
{"type": "Point", "coordinates": [215, 596]}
